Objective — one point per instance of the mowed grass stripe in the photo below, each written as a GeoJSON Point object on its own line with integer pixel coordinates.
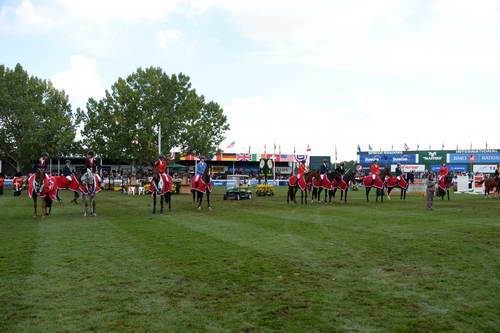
{"type": "Point", "coordinates": [208, 268]}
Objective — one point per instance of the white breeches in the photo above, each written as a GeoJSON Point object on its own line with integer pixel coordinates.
{"type": "Point", "coordinates": [398, 177]}
{"type": "Point", "coordinates": [374, 176]}
{"type": "Point", "coordinates": [196, 178]}
{"type": "Point", "coordinates": [68, 178]}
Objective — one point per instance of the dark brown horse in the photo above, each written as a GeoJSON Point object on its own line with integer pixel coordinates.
{"type": "Point", "coordinates": [39, 191]}
{"type": "Point", "coordinates": [159, 189]}
{"type": "Point", "coordinates": [200, 188]}
{"type": "Point", "coordinates": [348, 178]}
{"type": "Point", "coordinates": [448, 182]}
{"type": "Point", "coordinates": [380, 191]}
{"type": "Point", "coordinates": [292, 189]}
{"type": "Point", "coordinates": [410, 179]}
{"type": "Point", "coordinates": [491, 184]}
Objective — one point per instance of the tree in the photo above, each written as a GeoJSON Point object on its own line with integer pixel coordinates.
{"type": "Point", "coordinates": [124, 123]}
{"type": "Point", "coordinates": [34, 117]}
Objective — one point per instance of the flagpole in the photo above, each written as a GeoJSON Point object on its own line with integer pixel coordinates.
{"type": "Point", "coordinates": [159, 139]}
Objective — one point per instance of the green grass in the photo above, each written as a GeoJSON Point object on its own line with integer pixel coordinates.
{"type": "Point", "coordinates": [252, 266]}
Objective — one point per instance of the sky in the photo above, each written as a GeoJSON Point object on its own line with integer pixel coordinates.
{"type": "Point", "coordinates": [322, 73]}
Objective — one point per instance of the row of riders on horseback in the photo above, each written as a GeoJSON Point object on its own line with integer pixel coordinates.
{"type": "Point", "coordinates": [42, 184]}
{"type": "Point", "coordinates": [339, 179]}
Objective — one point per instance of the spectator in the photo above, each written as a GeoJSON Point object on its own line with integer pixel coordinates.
{"type": "Point", "coordinates": [431, 188]}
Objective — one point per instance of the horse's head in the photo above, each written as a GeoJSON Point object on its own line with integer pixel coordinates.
{"type": "Point", "coordinates": [448, 179]}
{"type": "Point", "coordinates": [156, 176]}
{"type": "Point", "coordinates": [385, 173]}
{"type": "Point", "coordinates": [410, 177]}
{"type": "Point", "coordinates": [38, 181]}
{"type": "Point", "coordinates": [88, 180]}
{"type": "Point", "coordinates": [207, 175]}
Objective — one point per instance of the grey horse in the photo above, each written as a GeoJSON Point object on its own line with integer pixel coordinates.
{"type": "Point", "coordinates": [88, 182]}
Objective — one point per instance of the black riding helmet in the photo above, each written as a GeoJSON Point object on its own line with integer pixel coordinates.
{"type": "Point", "coordinates": [45, 154]}
{"type": "Point", "coordinates": [161, 156]}
{"type": "Point", "coordinates": [67, 161]}
{"type": "Point", "coordinates": [91, 153]}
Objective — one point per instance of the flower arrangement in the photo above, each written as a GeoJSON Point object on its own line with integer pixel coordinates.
{"type": "Point", "coordinates": [264, 190]}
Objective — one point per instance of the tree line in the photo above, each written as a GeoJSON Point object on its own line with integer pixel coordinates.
{"type": "Point", "coordinates": [123, 125]}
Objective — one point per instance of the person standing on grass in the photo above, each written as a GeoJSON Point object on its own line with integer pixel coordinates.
{"type": "Point", "coordinates": [431, 188]}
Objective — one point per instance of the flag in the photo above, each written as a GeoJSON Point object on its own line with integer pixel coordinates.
{"type": "Point", "coordinates": [300, 158]}
{"type": "Point", "coordinates": [265, 149]}
{"type": "Point", "coordinates": [308, 149]}
{"type": "Point", "coordinates": [243, 157]}
{"type": "Point", "coordinates": [486, 145]}
{"type": "Point", "coordinates": [279, 149]}
{"type": "Point", "coordinates": [442, 146]}
{"type": "Point", "coordinates": [406, 147]}
{"type": "Point", "coordinates": [429, 146]}
{"type": "Point", "coordinates": [392, 147]}
{"type": "Point", "coordinates": [471, 145]}
{"type": "Point", "coordinates": [418, 146]}
{"type": "Point", "coordinates": [359, 149]}
{"type": "Point", "coordinates": [457, 146]}
{"type": "Point", "coordinates": [248, 149]}
{"type": "Point", "coordinates": [294, 149]}
{"type": "Point", "coordinates": [231, 145]}
{"type": "Point", "coordinates": [370, 147]}
{"type": "Point", "coordinates": [335, 153]}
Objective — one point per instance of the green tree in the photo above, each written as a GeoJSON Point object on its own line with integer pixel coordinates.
{"type": "Point", "coordinates": [34, 117]}
{"type": "Point", "coordinates": [124, 123]}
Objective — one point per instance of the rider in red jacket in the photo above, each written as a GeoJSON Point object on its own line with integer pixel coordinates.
{"type": "Point", "coordinates": [375, 170]}
{"type": "Point", "coordinates": [443, 171]}
{"type": "Point", "coordinates": [161, 164]}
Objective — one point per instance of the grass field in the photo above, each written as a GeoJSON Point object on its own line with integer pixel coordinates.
{"type": "Point", "coordinates": [252, 266]}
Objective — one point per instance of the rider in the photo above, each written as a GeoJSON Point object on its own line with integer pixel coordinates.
{"type": "Point", "coordinates": [323, 170]}
{"type": "Point", "coordinates": [161, 164]}
{"type": "Point", "coordinates": [375, 170]}
{"type": "Point", "coordinates": [497, 172]}
{"type": "Point", "coordinates": [340, 169]}
{"type": "Point", "coordinates": [67, 171]}
{"type": "Point", "coordinates": [443, 171]}
{"type": "Point", "coordinates": [41, 163]}
{"type": "Point", "coordinates": [200, 170]}
{"type": "Point", "coordinates": [398, 171]}
{"type": "Point", "coordinates": [302, 169]}
{"type": "Point", "coordinates": [91, 164]}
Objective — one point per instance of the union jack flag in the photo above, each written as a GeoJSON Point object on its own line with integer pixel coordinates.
{"type": "Point", "coordinates": [231, 145]}
{"type": "Point", "coordinates": [243, 157]}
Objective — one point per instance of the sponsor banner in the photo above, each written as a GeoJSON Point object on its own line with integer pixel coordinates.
{"type": "Point", "coordinates": [429, 157]}
{"type": "Point", "coordinates": [484, 168]}
{"type": "Point", "coordinates": [451, 167]}
{"type": "Point", "coordinates": [388, 158]}
{"type": "Point", "coordinates": [478, 184]}
{"type": "Point", "coordinates": [474, 151]}
{"type": "Point", "coordinates": [474, 158]}
{"type": "Point", "coordinates": [409, 167]}
{"type": "Point", "coordinates": [284, 170]}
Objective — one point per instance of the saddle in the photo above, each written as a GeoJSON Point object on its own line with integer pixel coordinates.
{"type": "Point", "coordinates": [201, 186]}
{"type": "Point", "coordinates": [368, 182]}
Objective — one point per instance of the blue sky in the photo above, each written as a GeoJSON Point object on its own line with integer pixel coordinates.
{"type": "Point", "coordinates": [321, 72]}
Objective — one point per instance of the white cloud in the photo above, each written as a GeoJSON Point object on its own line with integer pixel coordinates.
{"type": "Point", "coordinates": [167, 37]}
{"type": "Point", "coordinates": [80, 81]}
{"type": "Point", "coordinates": [25, 18]}
{"type": "Point", "coordinates": [374, 118]}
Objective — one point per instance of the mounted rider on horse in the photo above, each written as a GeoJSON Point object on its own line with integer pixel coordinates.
{"type": "Point", "coordinates": [443, 172]}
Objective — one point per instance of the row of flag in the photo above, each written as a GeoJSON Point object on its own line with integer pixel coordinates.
{"type": "Point", "coordinates": [232, 145]}
{"type": "Point", "coordinates": [406, 147]}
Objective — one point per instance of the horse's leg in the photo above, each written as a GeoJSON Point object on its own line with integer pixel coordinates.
{"type": "Point", "coordinates": [162, 197]}
{"type": "Point", "coordinates": [35, 205]}
{"type": "Point", "coordinates": [389, 189]}
{"type": "Point", "coordinates": [200, 199]}
{"type": "Point", "coordinates": [154, 203]}
{"type": "Point", "coordinates": [448, 192]}
{"type": "Point", "coordinates": [306, 197]}
{"type": "Point", "coordinates": [44, 207]}
{"type": "Point", "coordinates": [85, 204]}
{"type": "Point", "coordinates": [94, 213]}
{"type": "Point", "coordinates": [169, 196]}
{"type": "Point", "coordinates": [295, 189]}
{"type": "Point", "coordinates": [194, 195]}
{"type": "Point", "coordinates": [208, 201]}
{"type": "Point", "coordinates": [345, 195]}
{"type": "Point", "coordinates": [288, 195]}
{"type": "Point", "coordinates": [49, 206]}
{"type": "Point", "coordinates": [367, 193]}
{"type": "Point", "coordinates": [301, 197]}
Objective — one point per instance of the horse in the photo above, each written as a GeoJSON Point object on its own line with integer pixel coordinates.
{"type": "Point", "coordinates": [402, 184]}
{"type": "Point", "coordinates": [42, 185]}
{"type": "Point", "coordinates": [378, 183]}
{"type": "Point", "coordinates": [204, 185]}
{"type": "Point", "coordinates": [318, 185]}
{"type": "Point", "coordinates": [89, 186]}
{"type": "Point", "coordinates": [161, 186]}
{"type": "Point", "coordinates": [65, 184]}
{"type": "Point", "coordinates": [304, 185]}
{"type": "Point", "coordinates": [489, 185]}
{"type": "Point", "coordinates": [444, 186]}
{"type": "Point", "coordinates": [342, 183]}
